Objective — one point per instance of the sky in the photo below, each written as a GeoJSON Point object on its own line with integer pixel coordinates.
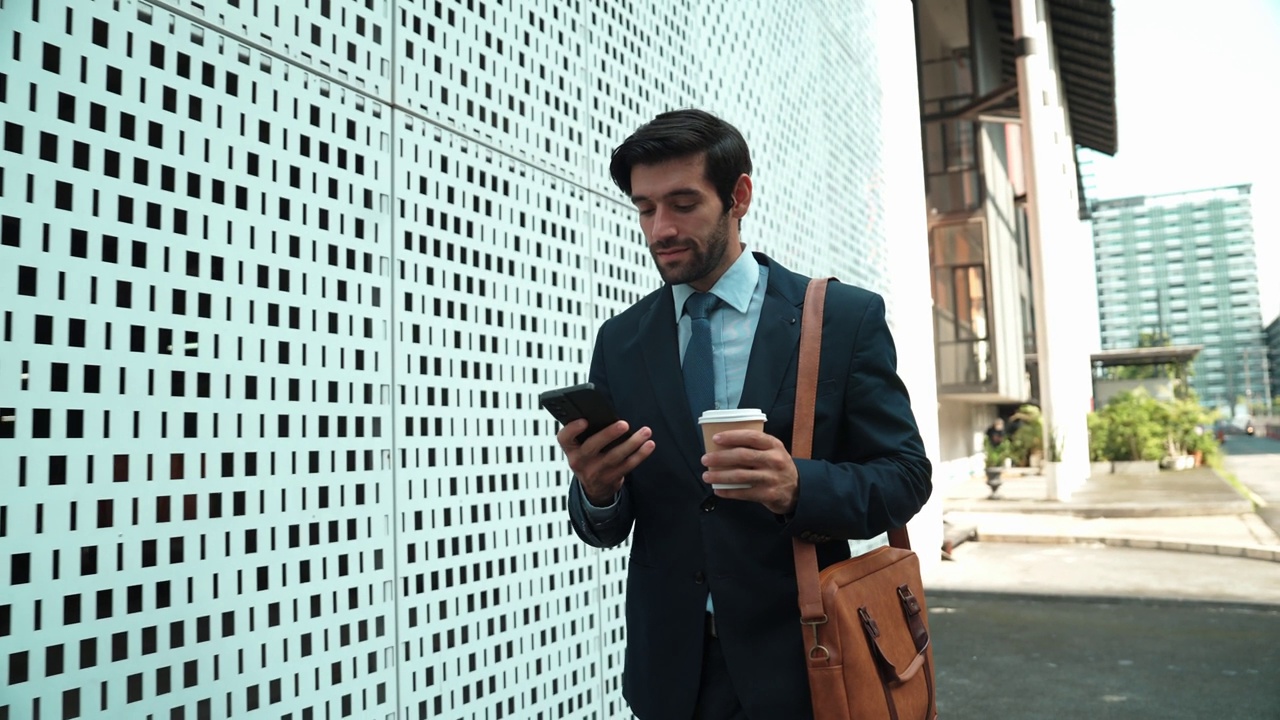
{"type": "Point", "coordinates": [1197, 99]}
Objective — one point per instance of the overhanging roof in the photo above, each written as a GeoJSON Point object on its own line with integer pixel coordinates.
{"type": "Point", "coordinates": [1083, 33]}
{"type": "Point", "coordinates": [1164, 355]}
{"type": "Point", "coordinates": [1146, 356]}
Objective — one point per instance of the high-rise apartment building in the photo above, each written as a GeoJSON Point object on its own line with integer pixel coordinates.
{"type": "Point", "coordinates": [1180, 269]}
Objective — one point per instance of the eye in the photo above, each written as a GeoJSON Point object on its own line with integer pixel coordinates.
{"type": "Point", "coordinates": [645, 211]}
{"type": "Point", "coordinates": [686, 208]}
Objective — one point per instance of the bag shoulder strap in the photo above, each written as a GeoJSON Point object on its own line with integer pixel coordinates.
{"type": "Point", "coordinates": [806, 556]}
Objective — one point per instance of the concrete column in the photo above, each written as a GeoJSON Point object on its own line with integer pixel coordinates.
{"type": "Point", "coordinates": [1060, 252]}
{"type": "Point", "coordinates": [909, 294]}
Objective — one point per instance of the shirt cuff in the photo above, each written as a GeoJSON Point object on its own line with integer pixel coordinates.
{"type": "Point", "coordinates": [598, 514]}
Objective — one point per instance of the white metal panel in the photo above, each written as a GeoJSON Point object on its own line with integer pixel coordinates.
{"type": "Point", "coordinates": [492, 292]}
{"type": "Point", "coordinates": [276, 311]}
{"type": "Point", "coordinates": [348, 41]}
{"type": "Point", "coordinates": [508, 74]}
{"type": "Point", "coordinates": [219, 539]}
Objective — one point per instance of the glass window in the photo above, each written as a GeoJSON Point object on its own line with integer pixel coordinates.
{"type": "Point", "coordinates": [960, 308]}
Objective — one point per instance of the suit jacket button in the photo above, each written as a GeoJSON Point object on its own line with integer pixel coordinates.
{"type": "Point", "coordinates": [709, 504]}
{"type": "Point", "coordinates": [699, 578]}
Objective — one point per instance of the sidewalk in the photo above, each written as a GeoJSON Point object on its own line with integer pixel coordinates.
{"type": "Point", "coordinates": [1187, 511]}
{"type": "Point", "coordinates": [1153, 595]}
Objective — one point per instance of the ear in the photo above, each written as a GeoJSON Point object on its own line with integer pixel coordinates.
{"type": "Point", "coordinates": [741, 197]}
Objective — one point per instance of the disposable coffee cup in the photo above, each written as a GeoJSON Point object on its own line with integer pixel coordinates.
{"type": "Point", "coordinates": [717, 421]}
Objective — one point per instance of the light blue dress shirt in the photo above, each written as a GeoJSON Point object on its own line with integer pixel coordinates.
{"type": "Point", "coordinates": [733, 324]}
{"type": "Point", "coordinates": [733, 329]}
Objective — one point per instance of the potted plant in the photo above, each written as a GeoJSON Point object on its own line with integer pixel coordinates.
{"type": "Point", "coordinates": [998, 463]}
{"type": "Point", "coordinates": [1176, 457]}
{"type": "Point", "coordinates": [1203, 447]}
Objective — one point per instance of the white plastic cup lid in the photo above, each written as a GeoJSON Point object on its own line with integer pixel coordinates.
{"type": "Point", "coordinates": [732, 416]}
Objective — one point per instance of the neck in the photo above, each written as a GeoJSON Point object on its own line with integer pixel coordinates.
{"type": "Point", "coordinates": [731, 255]}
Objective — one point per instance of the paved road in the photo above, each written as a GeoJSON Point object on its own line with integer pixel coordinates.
{"type": "Point", "coordinates": [1256, 462]}
{"type": "Point", "coordinates": [1016, 658]}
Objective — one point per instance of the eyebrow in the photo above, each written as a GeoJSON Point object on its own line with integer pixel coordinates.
{"type": "Point", "coordinates": [679, 192]}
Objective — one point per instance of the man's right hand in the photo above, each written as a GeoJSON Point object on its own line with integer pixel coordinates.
{"type": "Point", "coordinates": [601, 474]}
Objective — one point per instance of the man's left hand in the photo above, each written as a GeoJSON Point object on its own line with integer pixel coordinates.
{"type": "Point", "coordinates": [756, 459]}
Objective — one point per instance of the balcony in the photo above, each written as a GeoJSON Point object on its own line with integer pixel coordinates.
{"type": "Point", "coordinates": [978, 333]}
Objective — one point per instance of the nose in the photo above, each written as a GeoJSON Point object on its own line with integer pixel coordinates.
{"type": "Point", "coordinates": [664, 224]}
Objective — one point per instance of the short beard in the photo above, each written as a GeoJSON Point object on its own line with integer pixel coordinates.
{"type": "Point", "coordinates": [701, 263]}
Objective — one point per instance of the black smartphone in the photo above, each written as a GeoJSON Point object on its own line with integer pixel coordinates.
{"type": "Point", "coordinates": [583, 401]}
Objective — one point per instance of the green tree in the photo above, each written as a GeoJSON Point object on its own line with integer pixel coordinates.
{"type": "Point", "coordinates": [1147, 339]}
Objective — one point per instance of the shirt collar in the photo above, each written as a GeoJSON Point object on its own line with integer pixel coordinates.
{"type": "Point", "coordinates": [734, 288]}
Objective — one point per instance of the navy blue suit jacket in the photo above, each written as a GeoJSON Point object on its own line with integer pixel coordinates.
{"type": "Point", "coordinates": [870, 474]}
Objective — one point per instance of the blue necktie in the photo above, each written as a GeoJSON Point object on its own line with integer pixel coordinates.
{"type": "Point", "coordinates": [699, 380]}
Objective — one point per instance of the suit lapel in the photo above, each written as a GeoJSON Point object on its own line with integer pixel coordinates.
{"type": "Point", "coordinates": [772, 354]}
{"type": "Point", "coordinates": [776, 339]}
{"type": "Point", "coordinates": [661, 350]}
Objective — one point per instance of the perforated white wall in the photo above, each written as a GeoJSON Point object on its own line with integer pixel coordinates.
{"type": "Point", "coordinates": [281, 281]}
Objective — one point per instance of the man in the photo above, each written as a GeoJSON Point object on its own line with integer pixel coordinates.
{"type": "Point", "coordinates": [713, 625]}
{"type": "Point", "coordinates": [995, 432]}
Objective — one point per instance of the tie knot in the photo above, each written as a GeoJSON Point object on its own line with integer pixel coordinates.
{"type": "Point", "coordinates": [699, 305]}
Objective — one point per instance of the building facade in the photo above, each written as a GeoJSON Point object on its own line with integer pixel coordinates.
{"type": "Point", "coordinates": [1180, 269]}
{"type": "Point", "coordinates": [1003, 204]}
{"type": "Point", "coordinates": [280, 283]}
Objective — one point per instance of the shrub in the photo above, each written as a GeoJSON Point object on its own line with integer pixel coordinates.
{"type": "Point", "coordinates": [1136, 426]}
{"type": "Point", "coordinates": [1099, 436]}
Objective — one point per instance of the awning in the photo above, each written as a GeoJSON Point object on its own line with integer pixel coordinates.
{"type": "Point", "coordinates": [1163, 355]}
{"type": "Point", "coordinates": [1166, 355]}
{"type": "Point", "coordinates": [1083, 32]}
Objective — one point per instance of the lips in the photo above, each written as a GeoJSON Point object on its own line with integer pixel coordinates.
{"type": "Point", "coordinates": [669, 253]}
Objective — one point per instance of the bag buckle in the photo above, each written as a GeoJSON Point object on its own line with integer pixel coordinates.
{"type": "Point", "coordinates": [818, 651]}
{"type": "Point", "coordinates": [868, 622]}
{"type": "Point", "coordinates": [909, 602]}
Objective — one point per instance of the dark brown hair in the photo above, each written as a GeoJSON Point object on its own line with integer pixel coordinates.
{"type": "Point", "coordinates": [682, 133]}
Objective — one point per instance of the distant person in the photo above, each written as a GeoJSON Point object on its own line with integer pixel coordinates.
{"type": "Point", "coordinates": [995, 433]}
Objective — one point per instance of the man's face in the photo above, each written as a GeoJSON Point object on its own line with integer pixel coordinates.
{"type": "Point", "coordinates": [688, 230]}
